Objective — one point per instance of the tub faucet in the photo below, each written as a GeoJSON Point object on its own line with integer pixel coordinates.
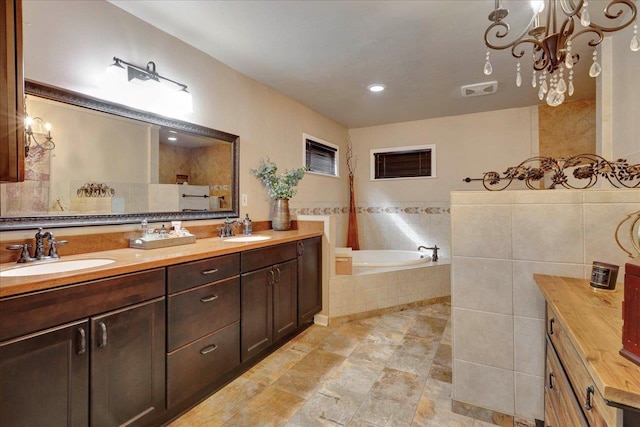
{"type": "Point", "coordinates": [435, 248]}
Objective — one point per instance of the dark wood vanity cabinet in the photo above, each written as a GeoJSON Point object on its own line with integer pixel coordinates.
{"type": "Point", "coordinates": [101, 361]}
{"type": "Point", "coordinates": [11, 92]}
{"type": "Point", "coordinates": [309, 279]}
{"type": "Point", "coordinates": [44, 378]}
{"type": "Point", "coordinates": [269, 297]}
{"type": "Point", "coordinates": [203, 309]}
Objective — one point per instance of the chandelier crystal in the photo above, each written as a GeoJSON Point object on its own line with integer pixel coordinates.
{"type": "Point", "coordinates": [551, 32]}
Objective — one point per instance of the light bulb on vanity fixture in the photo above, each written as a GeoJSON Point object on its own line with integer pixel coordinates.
{"type": "Point", "coordinates": [553, 31]}
{"type": "Point", "coordinates": [157, 88]}
{"type": "Point", "coordinates": [33, 127]}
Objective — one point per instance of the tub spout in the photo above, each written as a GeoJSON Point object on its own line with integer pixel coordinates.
{"type": "Point", "coordinates": [435, 248]}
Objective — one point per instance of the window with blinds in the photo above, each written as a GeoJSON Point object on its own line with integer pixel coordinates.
{"type": "Point", "coordinates": [321, 157]}
{"type": "Point", "coordinates": [403, 162]}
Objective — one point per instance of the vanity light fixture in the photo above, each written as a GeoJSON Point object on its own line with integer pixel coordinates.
{"type": "Point", "coordinates": [551, 36]}
{"type": "Point", "coordinates": [174, 92]}
{"type": "Point", "coordinates": [376, 87]}
{"type": "Point", "coordinates": [33, 126]}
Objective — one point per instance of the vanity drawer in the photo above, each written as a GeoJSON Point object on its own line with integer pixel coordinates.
{"type": "Point", "coordinates": [597, 412]}
{"type": "Point", "coordinates": [263, 257]}
{"type": "Point", "coordinates": [202, 362]}
{"type": "Point", "coordinates": [23, 314]}
{"type": "Point", "coordinates": [200, 311]}
{"type": "Point", "coordinates": [196, 273]}
{"type": "Point", "coordinates": [566, 409]}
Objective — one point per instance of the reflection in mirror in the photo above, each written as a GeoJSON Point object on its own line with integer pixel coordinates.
{"type": "Point", "coordinates": [118, 167]}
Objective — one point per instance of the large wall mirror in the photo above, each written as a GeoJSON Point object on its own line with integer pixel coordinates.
{"type": "Point", "coordinates": [115, 165]}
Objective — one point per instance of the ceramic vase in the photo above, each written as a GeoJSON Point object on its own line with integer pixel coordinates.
{"type": "Point", "coordinates": [281, 219]}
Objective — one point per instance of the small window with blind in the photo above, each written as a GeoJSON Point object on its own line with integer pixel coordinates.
{"type": "Point", "coordinates": [320, 157]}
{"type": "Point", "coordinates": [418, 161]}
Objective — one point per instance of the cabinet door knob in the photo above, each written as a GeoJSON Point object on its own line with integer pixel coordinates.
{"type": "Point", "coordinates": [279, 275]}
{"type": "Point", "coordinates": [551, 378]}
{"type": "Point", "coordinates": [102, 335]}
{"type": "Point", "coordinates": [551, 322]}
{"type": "Point", "coordinates": [82, 342]}
{"type": "Point", "coordinates": [300, 248]}
{"type": "Point", "coordinates": [209, 299]}
{"type": "Point", "coordinates": [587, 402]}
{"type": "Point", "coordinates": [208, 349]}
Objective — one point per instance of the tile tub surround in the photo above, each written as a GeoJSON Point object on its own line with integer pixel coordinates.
{"type": "Point", "coordinates": [370, 289]}
{"type": "Point", "coordinates": [499, 240]}
{"type": "Point", "coordinates": [393, 369]}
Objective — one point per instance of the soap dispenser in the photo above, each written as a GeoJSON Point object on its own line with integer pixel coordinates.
{"type": "Point", "coordinates": [247, 227]}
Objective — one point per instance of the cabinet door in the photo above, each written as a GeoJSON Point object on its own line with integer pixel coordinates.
{"type": "Point", "coordinates": [44, 378]}
{"type": "Point", "coordinates": [128, 365]}
{"type": "Point", "coordinates": [285, 299]}
{"type": "Point", "coordinates": [309, 279]}
{"type": "Point", "coordinates": [11, 92]}
{"type": "Point", "coordinates": [256, 328]}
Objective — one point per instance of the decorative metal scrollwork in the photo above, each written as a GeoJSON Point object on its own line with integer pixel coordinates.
{"type": "Point", "coordinates": [633, 234]}
{"type": "Point", "coordinates": [95, 189]}
{"type": "Point", "coordinates": [585, 169]}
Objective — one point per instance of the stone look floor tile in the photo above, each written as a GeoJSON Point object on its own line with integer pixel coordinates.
{"type": "Point", "coordinates": [390, 370]}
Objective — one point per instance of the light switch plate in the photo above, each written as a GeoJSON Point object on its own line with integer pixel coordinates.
{"type": "Point", "coordinates": [244, 200]}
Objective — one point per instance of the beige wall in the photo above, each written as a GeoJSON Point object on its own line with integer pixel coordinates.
{"type": "Point", "coordinates": [74, 53]}
{"type": "Point", "coordinates": [568, 129]}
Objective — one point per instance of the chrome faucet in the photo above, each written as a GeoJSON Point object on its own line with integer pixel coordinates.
{"type": "Point", "coordinates": [435, 248]}
{"type": "Point", "coordinates": [39, 252]}
{"type": "Point", "coordinates": [227, 229]}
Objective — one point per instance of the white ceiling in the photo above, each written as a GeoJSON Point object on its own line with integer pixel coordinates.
{"type": "Point", "coordinates": [325, 53]}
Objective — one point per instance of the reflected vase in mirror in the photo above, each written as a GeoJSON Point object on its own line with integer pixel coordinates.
{"type": "Point", "coordinates": [280, 217]}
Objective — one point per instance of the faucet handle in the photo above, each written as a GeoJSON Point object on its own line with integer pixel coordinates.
{"type": "Point", "coordinates": [25, 256]}
{"type": "Point", "coordinates": [53, 247]}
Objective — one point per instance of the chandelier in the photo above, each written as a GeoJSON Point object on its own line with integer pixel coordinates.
{"type": "Point", "coordinates": [551, 35]}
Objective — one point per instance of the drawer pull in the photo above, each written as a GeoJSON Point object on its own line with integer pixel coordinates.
{"type": "Point", "coordinates": [552, 376]}
{"type": "Point", "coordinates": [209, 299]}
{"type": "Point", "coordinates": [279, 275]}
{"type": "Point", "coordinates": [551, 322]}
{"type": "Point", "coordinates": [273, 278]}
{"type": "Point", "coordinates": [208, 349]}
{"type": "Point", "coordinates": [102, 336]}
{"type": "Point", "coordinates": [587, 402]}
{"type": "Point", "coordinates": [212, 271]}
{"type": "Point", "coordinates": [82, 345]}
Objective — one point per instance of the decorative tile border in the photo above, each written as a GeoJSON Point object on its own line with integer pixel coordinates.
{"type": "Point", "coordinates": [364, 209]}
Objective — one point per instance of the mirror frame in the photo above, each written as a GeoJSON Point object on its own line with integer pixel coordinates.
{"type": "Point", "coordinates": [81, 100]}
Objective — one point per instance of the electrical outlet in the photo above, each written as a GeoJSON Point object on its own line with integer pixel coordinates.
{"type": "Point", "coordinates": [244, 200]}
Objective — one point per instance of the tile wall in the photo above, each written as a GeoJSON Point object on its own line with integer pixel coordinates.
{"type": "Point", "coordinates": [499, 240]}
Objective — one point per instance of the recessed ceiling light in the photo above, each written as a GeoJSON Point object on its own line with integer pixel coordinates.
{"type": "Point", "coordinates": [172, 138]}
{"type": "Point", "coordinates": [376, 87]}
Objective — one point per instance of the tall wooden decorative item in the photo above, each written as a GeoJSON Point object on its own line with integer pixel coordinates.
{"type": "Point", "coordinates": [352, 230]}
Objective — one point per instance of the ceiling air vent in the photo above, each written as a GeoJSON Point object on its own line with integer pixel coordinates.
{"type": "Point", "coordinates": [477, 89]}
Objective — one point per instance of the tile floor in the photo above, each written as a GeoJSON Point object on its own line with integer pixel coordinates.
{"type": "Point", "coordinates": [390, 370]}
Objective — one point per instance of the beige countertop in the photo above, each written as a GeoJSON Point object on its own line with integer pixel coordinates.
{"type": "Point", "coordinates": [132, 260]}
{"type": "Point", "coordinates": [593, 320]}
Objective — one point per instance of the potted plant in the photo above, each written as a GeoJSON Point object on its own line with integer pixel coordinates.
{"type": "Point", "coordinates": [280, 187]}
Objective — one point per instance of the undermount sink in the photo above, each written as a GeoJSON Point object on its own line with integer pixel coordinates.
{"type": "Point", "coordinates": [246, 239]}
{"type": "Point", "coordinates": [55, 267]}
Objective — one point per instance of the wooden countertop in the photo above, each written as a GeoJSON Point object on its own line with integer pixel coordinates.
{"type": "Point", "coordinates": [132, 260]}
{"type": "Point", "coordinates": [593, 320]}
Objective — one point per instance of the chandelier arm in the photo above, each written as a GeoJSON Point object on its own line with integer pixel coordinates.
{"type": "Point", "coordinates": [44, 145]}
{"type": "Point", "coordinates": [621, 3]}
{"type": "Point", "coordinates": [500, 25]}
{"type": "Point", "coordinates": [592, 29]}
{"type": "Point", "coordinates": [544, 58]}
